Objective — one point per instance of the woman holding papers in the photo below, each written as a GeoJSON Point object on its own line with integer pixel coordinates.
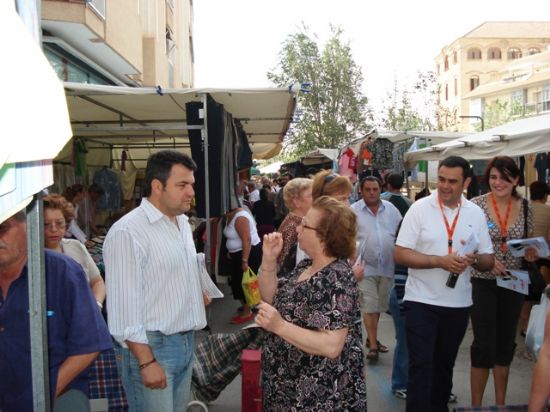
{"type": "Point", "coordinates": [496, 310]}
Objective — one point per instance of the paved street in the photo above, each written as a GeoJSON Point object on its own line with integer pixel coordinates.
{"type": "Point", "coordinates": [379, 393]}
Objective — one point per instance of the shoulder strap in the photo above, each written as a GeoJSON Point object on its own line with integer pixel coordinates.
{"type": "Point", "coordinates": [525, 211]}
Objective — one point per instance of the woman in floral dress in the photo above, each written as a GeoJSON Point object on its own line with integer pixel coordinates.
{"type": "Point", "coordinates": [312, 360]}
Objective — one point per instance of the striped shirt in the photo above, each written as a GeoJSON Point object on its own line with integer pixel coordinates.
{"type": "Point", "coordinates": [152, 276]}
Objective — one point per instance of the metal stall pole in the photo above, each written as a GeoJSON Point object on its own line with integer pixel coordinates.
{"type": "Point", "coordinates": [30, 12]}
{"type": "Point", "coordinates": [37, 306]}
{"type": "Point", "coordinates": [204, 134]}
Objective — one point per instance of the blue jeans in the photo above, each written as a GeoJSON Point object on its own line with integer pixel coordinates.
{"type": "Point", "coordinates": [175, 354]}
{"type": "Point", "coordinates": [400, 369]}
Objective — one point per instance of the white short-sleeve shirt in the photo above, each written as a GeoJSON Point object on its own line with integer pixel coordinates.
{"type": "Point", "coordinates": [76, 250]}
{"type": "Point", "coordinates": [423, 230]}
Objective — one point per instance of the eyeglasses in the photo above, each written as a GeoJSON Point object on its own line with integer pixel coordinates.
{"type": "Point", "coordinates": [304, 224]}
{"type": "Point", "coordinates": [59, 224]}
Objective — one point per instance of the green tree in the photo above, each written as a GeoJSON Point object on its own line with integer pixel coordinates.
{"type": "Point", "coordinates": [334, 112]}
{"type": "Point", "coordinates": [412, 107]}
{"type": "Point", "coordinates": [498, 112]}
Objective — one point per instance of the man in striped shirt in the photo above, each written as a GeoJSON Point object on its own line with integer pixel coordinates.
{"type": "Point", "coordinates": [154, 291]}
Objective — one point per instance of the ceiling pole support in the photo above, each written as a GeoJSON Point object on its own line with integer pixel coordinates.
{"type": "Point", "coordinates": [204, 133]}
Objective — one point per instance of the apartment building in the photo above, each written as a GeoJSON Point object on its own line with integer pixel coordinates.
{"type": "Point", "coordinates": [508, 61]}
{"type": "Point", "coordinates": [120, 42]}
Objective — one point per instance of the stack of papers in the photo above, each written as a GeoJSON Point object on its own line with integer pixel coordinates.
{"type": "Point", "coordinates": [517, 246]}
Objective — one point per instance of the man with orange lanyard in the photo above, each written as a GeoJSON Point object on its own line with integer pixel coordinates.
{"type": "Point", "coordinates": [438, 292]}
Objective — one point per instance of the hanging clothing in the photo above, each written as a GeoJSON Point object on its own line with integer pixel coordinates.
{"type": "Point", "coordinates": [109, 181]}
{"type": "Point", "coordinates": [347, 163]}
{"type": "Point", "coordinates": [382, 157]}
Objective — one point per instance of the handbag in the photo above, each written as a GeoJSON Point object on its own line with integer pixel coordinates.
{"type": "Point", "coordinates": [537, 282]}
{"type": "Point", "coordinates": [535, 330]}
{"type": "Point", "coordinates": [251, 287]}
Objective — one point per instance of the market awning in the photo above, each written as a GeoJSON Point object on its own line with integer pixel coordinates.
{"type": "Point", "coordinates": [518, 138]}
{"type": "Point", "coordinates": [140, 119]}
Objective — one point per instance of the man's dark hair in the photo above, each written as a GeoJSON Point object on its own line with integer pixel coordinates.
{"type": "Point", "coordinates": [538, 190]}
{"type": "Point", "coordinates": [159, 166]}
{"type": "Point", "coordinates": [457, 161]}
{"type": "Point", "coordinates": [370, 179]}
{"type": "Point", "coordinates": [395, 180]}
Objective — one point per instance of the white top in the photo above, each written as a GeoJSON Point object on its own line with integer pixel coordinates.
{"type": "Point", "coordinates": [254, 196]}
{"type": "Point", "coordinates": [75, 230]}
{"type": "Point", "coordinates": [152, 276]}
{"type": "Point", "coordinates": [424, 231]}
{"type": "Point", "coordinates": [376, 236]}
{"type": "Point", "coordinates": [234, 243]}
{"type": "Point", "coordinates": [76, 250]}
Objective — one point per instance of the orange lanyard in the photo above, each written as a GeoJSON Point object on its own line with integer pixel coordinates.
{"type": "Point", "coordinates": [450, 229]}
{"type": "Point", "coordinates": [503, 225]}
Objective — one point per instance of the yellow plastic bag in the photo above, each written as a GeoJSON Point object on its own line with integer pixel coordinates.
{"type": "Point", "coordinates": [251, 288]}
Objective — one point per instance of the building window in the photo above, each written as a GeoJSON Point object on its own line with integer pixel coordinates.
{"type": "Point", "coordinates": [533, 50]}
{"type": "Point", "coordinates": [456, 87]}
{"type": "Point", "coordinates": [446, 92]}
{"type": "Point", "coordinates": [71, 69]}
{"type": "Point", "coordinates": [455, 58]}
{"type": "Point", "coordinates": [543, 99]}
{"type": "Point", "coordinates": [514, 53]}
{"type": "Point", "coordinates": [517, 102]}
{"type": "Point", "coordinates": [474, 82]}
{"type": "Point", "coordinates": [474, 54]}
{"type": "Point", "coordinates": [446, 63]}
{"type": "Point", "coordinates": [494, 53]}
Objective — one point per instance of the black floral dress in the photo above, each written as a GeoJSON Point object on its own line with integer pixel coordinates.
{"type": "Point", "coordinates": [293, 380]}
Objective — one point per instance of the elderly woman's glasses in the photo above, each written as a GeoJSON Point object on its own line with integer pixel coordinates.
{"type": "Point", "coordinates": [304, 224]}
{"type": "Point", "coordinates": [59, 224]}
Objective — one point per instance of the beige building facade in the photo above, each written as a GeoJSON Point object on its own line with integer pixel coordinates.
{"type": "Point", "coordinates": [508, 61]}
{"type": "Point", "coordinates": [120, 42]}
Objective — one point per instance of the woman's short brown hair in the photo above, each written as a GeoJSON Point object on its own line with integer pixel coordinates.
{"type": "Point", "coordinates": [327, 183]}
{"type": "Point", "coordinates": [293, 190]}
{"type": "Point", "coordinates": [337, 227]}
{"type": "Point", "coordinates": [56, 201]}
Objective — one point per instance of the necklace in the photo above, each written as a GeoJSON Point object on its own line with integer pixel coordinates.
{"type": "Point", "coordinates": [503, 225]}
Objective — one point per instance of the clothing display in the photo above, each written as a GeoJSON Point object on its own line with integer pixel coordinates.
{"type": "Point", "coordinates": [222, 154]}
{"type": "Point", "coordinates": [109, 181]}
{"type": "Point", "coordinates": [541, 164]}
{"type": "Point", "coordinates": [382, 157]}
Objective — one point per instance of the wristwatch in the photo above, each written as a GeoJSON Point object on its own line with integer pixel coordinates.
{"type": "Point", "coordinates": [476, 261]}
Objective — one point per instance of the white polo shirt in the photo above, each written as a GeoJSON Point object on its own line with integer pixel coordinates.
{"type": "Point", "coordinates": [423, 230]}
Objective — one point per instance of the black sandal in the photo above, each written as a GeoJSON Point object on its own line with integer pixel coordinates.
{"type": "Point", "coordinates": [372, 355]}
{"type": "Point", "coordinates": [381, 348]}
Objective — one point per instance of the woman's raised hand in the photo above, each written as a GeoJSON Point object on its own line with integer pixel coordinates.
{"type": "Point", "coordinates": [272, 245]}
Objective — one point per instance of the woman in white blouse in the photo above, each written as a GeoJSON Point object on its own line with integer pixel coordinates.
{"type": "Point", "coordinates": [58, 213]}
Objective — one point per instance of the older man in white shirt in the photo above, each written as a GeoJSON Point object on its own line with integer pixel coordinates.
{"type": "Point", "coordinates": [154, 292]}
{"type": "Point", "coordinates": [377, 226]}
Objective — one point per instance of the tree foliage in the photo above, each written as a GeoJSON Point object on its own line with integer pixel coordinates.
{"type": "Point", "coordinates": [412, 107]}
{"type": "Point", "coordinates": [334, 111]}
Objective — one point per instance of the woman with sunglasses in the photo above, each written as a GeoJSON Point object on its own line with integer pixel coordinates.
{"type": "Point", "coordinates": [312, 314]}
{"type": "Point", "coordinates": [58, 213]}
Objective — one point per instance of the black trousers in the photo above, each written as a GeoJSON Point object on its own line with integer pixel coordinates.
{"type": "Point", "coordinates": [434, 334]}
{"type": "Point", "coordinates": [495, 317]}
{"type": "Point", "coordinates": [236, 273]}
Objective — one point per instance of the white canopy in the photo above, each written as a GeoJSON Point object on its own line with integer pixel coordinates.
{"type": "Point", "coordinates": [36, 122]}
{"type": "Point", "coordinates": [320, 156]}
{"type": "Point", "coordinates": [144, 119]}
{"type": "Point", "coordinates": [518, 138]}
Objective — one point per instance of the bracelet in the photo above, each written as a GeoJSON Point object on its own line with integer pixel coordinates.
{"type": "Point", "coordinates": [244, 260]}
{"type": "Point", "coordinates": [144, 365]}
